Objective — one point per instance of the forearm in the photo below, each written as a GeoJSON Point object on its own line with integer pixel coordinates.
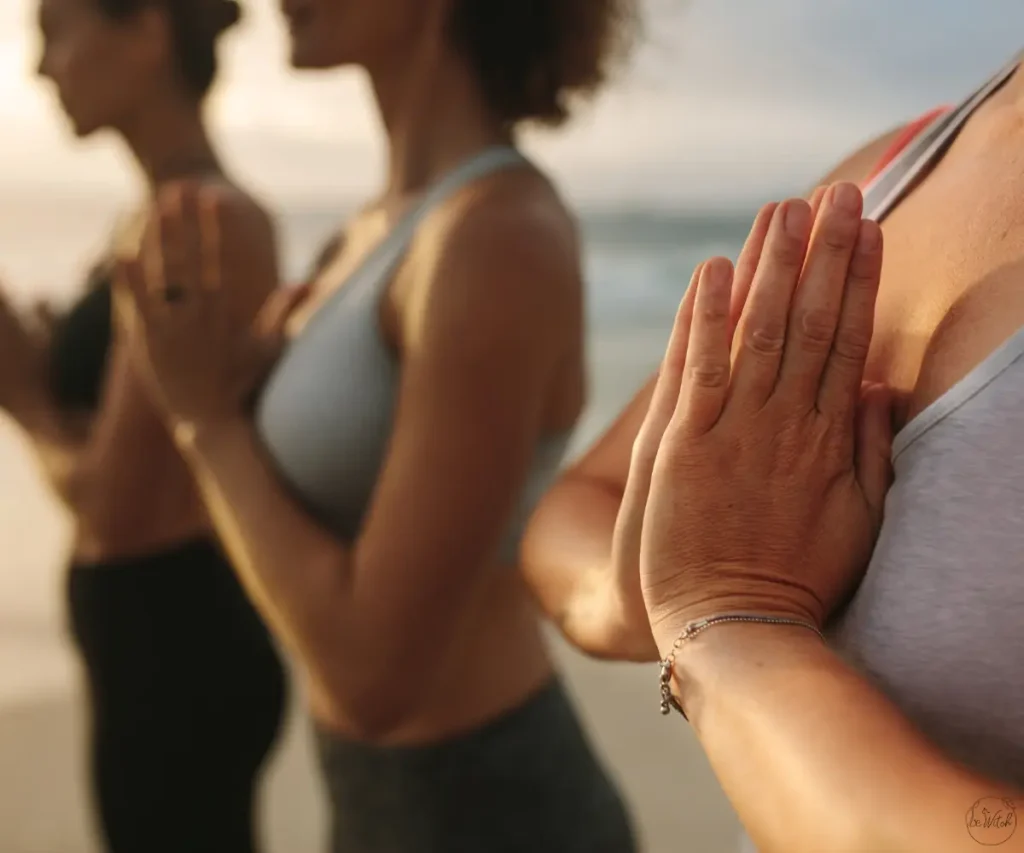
{"type": "Point", "coordinates": [296, 573]}
{"type": "Point", "coordinates": [566, 558]}
{"type": "Point", "coordinates": [813, 758]}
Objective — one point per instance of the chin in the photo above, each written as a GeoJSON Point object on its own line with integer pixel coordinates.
{"type": "Point", "coordinates": [82, 129]}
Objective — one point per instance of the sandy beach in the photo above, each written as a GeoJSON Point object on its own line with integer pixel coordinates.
{"type": "Point", "coordinates": [43, 806]}
{"type": "Point", "coordinates": [43, 800]}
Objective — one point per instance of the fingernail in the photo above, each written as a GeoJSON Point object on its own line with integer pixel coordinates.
{"type": "Point", "coordinates": [847, 198]}
{"type": "Point", "coordinates": [797, 219]}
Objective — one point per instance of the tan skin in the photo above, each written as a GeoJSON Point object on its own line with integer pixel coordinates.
{"type": "Point", "coordinates": [410, 633]}
{"type": "Point", "coordinates": [119, 475]}
{"type": "Point", "coordinates": [771, 440]}
{"type": "Point", "coordinates": [950, 294]}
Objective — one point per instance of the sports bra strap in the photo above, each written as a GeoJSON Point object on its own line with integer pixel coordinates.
{"type": "Point", "coordinates": [907, 135]}
{"type": "Point", "coordinates": [922, 150]}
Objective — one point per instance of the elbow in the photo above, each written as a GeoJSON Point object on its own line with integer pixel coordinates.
{"type": "Point", "coordinates": [606, 637]}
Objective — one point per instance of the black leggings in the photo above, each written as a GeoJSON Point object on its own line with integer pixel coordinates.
{"type": "Point", "coordinates": [187, 694]}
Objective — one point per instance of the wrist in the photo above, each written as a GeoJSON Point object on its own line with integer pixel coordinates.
{"type": "Point", "coordinates": [717, 659]}
{"type": "Point", "coordinates": [667, 625]}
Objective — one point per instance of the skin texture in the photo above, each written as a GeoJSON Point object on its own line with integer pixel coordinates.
{"type": "Point", "coordinates": [733, 426]}
{"type": "Point", "coordinates": [791, 732]}
{"type": "Point", "coordinates": [118, 473]}
{"type": "Point", "coordinates": [485, 317]}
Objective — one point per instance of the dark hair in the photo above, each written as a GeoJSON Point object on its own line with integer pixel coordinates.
{"type": "Point", "coordinates": [195, 27]}
{"type": "Point", "coordinates": [535, 58]}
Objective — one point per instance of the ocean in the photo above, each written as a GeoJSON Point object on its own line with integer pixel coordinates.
{"type": "Point", "coordinates": [638, 264]}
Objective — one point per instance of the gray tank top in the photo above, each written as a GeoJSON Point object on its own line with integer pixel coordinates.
{"type": "Point", "coordinates": [326, 413]}
{"type": "Point", "coordinates": [938, 622]}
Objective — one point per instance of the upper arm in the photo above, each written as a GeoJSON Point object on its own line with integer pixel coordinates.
{"type": "Point", "coordinates": [248, 231]}
{"type": "Point", "coordinates": [608, 458]}
{"type": "Point", "coordinates": [483, 334]}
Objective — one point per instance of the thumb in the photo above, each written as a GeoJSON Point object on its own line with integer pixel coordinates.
{"type": "Point", "coordinates": [268, 337]}
{"type": "Point", "coordinates": [875, 418]}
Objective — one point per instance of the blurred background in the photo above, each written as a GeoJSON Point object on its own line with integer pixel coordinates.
{"type": "Point", "coordinates": [729, 104]}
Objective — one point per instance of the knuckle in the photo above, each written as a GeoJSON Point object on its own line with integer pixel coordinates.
{"type": "Point", "coordinates": [709, 373]}
{"type": "Point", "coordinates": [865, 271]}
{"type": "Point", "coordinates": [837, 240]}
{"type": "Point", "coordinates": [765, 340]}
{"type": "Point", "coordinates": [852, 345]}
{"type": "Point", "coordinates": [788, 252]}
{"type": "Point", "coordinates": [714, 314]}
{"type": "Point", "coordinates": [816, 330]}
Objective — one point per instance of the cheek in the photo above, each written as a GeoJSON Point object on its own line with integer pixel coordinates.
{"type": "Point", "coordinates": [362, 30]}
{"type": "Point", "coordinates": [95, 80]}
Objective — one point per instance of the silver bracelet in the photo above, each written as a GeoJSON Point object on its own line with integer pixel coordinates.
{"type": "Point", "coordinates": [668, 699]}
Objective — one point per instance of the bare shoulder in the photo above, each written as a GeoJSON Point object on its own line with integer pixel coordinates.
{"type": "Point", "coordinates": [506, 246]}
{"type": "Point", "coordinates": [514, 213]}
{"type": "Point", "coordinates": [241, 209]}
{"type": "Point", "coordinates": [857, 166]}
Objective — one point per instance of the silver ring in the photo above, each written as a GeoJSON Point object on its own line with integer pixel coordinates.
{"type": "Point", "coordinates": [173, 292]}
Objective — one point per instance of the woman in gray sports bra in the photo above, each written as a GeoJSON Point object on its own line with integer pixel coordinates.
{"type": "Point", "coordinates": [910, 736]}
{"type": "Point", "coordinates": [373, 500]}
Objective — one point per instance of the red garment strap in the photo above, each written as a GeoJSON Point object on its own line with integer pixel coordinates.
{"type": "Point", "coordinates": [903, 139]}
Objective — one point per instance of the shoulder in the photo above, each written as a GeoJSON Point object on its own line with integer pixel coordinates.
{"type": "Point", "coordinates": [859, 165]}
{"type": "Point", "coordinates": [238, 214]}
{"type": "Point", "coordinates": [504, 248]}
{"type": "Point", "coordinates": [241, 209]}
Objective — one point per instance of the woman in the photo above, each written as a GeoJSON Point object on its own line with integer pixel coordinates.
{"type": "Point", "coordinates": [774, 457]}
{"type": "Point", "coordinates": [924, 626]}
{"type": "Point", "coordinates": [373, 504]}
{"type": "Point", "coordinates": [186, 689]}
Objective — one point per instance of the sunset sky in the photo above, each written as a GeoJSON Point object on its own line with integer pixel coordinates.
{"type": "Point", "coordinates": [730, 99]}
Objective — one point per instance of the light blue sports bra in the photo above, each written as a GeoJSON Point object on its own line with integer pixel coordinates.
{"type": "Point", "coordinates": [325, 416]}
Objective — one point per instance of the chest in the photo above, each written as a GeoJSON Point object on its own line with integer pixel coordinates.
{"type": "Point", "coordinates": [938, 621]}
{"type": "Point", "coordinates": [947, 246]}
{"type": "Point", "coordinates": [327, 410]}
{"type": "Point", "coordinates": [363, 237]}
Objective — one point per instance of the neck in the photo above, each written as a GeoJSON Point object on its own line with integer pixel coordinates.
{"type": "Point", "coordinates": [170, 142]}
{"type": "Point", "coordinates": [434, 116]}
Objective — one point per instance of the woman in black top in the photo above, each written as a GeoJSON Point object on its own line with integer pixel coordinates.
{"type": "Point", "coordinates": [186, 689]}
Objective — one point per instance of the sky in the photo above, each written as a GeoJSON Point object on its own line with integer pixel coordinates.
{"type": "Point", "coordinates": [729, 100]}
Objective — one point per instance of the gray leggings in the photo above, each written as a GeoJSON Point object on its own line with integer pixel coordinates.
{"type": "Point", "coordinates": [527, 782]}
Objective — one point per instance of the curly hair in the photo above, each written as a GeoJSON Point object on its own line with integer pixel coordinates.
{"type": "Point", "coordinates": [536, 58]}
{"type": "Point", "coordinates": [196, 25]}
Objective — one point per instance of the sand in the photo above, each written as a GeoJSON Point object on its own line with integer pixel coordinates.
{"type": "Point", "coordinates": [677, 803]}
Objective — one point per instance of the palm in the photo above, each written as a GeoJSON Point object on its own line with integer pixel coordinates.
{"type": "Point", "coordinates": [193, 317]}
